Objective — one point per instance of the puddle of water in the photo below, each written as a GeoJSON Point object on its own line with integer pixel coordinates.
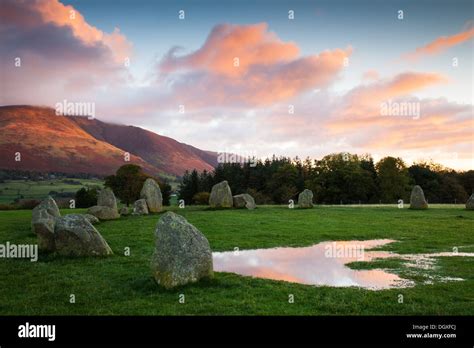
{"type": "Point", "coordinates": [322, 264]}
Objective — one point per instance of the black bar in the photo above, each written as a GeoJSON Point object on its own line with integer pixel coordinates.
{"type": "Point", "coordinates": [224, 330]}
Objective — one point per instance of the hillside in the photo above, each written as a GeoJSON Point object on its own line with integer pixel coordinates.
{"type": "Point", "coordinates": [50, 143]}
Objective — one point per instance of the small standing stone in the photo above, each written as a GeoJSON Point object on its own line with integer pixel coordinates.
{"type": "Point", "coordinates": [106, 198]}
{"type": "Point", "coordinates": [140, 207]}
{"type": "Point", "coordinates": [103, 213]}
{"type": "Point", "coordinates": [244, 201]}
{"type": "Point", "coordinates": [305, 199]}
{"type": "Point", "coordinates": [470, 203]}
{"type": "Point", "coordinates": [221, 196]}
{"type": "Point", "coordinates": [152, 194]}
{"type": "Point", "coordinates": [417, 198]}
{"type": "Point", "coordinates": [43, 220]}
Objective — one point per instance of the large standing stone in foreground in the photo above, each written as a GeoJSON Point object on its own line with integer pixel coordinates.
{"type": "Point", "coordinates": [221, 196]}
{"type": "Point", "coordinates": [152, 194]}
{"type": "Point", "coordinates": [417, 198]}
{"type": "Point", "coordinates": [470, 203]}
{"type": "Point", "coordinates": [75, 236]}
{"type": "Point", "coordinates": [244, 201]}
{"type": "Point", "coordinates": [106, 198]}
{"type": "Point", "coordinates": [43, 221]}
{"type": "Point", "coordinates": [103, 213]}
{"type": "Point", "coordinates": [182, 253]}
{"type": "Point", "coordinates": [305, 199]}
{"type": "Point", "coordinates": [140, 207]}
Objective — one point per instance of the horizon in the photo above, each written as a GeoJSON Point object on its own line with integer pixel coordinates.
{"type": "Point", "coordinates": [241, 159]}
{"type": "Point", "coordinates": [302, 75]}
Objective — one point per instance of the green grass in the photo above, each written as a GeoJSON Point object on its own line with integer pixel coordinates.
{"type": "Point", "coordinates": [12, 189]}
{"type": "Point", "coordinates": [122, 285]}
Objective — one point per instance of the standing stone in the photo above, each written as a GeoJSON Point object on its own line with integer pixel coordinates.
{"type": "Point", "coordinates": [221, 196]}
{"type": "Point", "coordinates": [91, 218]}
{"type": "Point", "coordinates": [417, 198]}
{"type": "Point", "coordinates": [43, 226]}
{"type": "Point", "coordinates": [48, 204]}
{"type": "Point", "coordinates": [140, 207]}
{"type": "Point", "coordinates": [103, 213]}
{"type": "Point", "coordinates": [124, 211]}
{"type": "Point", "coordinates": [244, 201]}
{"type": "Point", "coordinates": [75, 236]}
{"type": "Point", "coordinates": [43, 222]}
{"type": "Point", "coordinates": [305, 199]}
{"type": "Point", "coordinates": [152, 194]}
{"type": "Point", "coordinates": [182, 253]}
{"type": "Point", "coordinates": [106, 198]}
{"type": "Point", "coordinates": [470, 203]}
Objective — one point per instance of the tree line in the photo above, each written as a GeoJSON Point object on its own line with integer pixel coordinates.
{"type": "Point", "coordinates": [341, 178]}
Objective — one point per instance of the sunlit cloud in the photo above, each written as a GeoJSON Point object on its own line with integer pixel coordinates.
{"type": "Point", "coordinates": [245, 66]}
{"type": "Point", "coordinates": [442, 43]}
{"type": "Point", "coordinates": [51, 53]}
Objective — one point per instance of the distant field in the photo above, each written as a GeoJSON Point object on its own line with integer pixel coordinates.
{"type": "Point", "coordinates": [12, 189]}
{"type": "Point", "coordinates": [123, 285]}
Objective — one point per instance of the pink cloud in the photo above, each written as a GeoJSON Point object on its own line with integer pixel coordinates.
{"type": "Point", "coordinates": [251, 44]}
{"type": "Point", "coordinates": [442, 43]}
{"type": "Point", "coordinates": [62, 56]}
{"type": "Point", "coordinates": [268, 70]}
{"type": "Point", "coordinates": [439, 122]}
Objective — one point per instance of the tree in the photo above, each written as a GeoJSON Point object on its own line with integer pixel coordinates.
{"type": "Point", "coordinates": [393, 179]}
{"type": "Point", "coordinates": [86, 198]}
{"type": "Point", "coordinates": [282, 185]}
{"type": "Point", "coordinates": [189, 186]}
{"type": "Point", "coordinates": [128, 182]}
{"type": "Point", "coordinates": [466, 179]}
{"type": "Point", "coordinates": [341, 178]}
{"type": "Point", "coordinates": [429, 180]}
{"type": "Point", "coordinates": [165, 192]}
{"type": "Point", "coordinates": [451, 190]}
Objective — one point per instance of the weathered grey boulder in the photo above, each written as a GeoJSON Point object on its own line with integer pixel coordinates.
{"type": "Point", "coordinates": [74, 235]}
{"type": "Point", "coordinates": [43, 218]}
{"type": "Point", "coordinates": [470, 203]}
{"type": "Point", "coordinates": [140, 207]}
{"type": "Point", "coordinates": [106, 198]}
{"type": "Point", "coordinates": [103, 213]}
{"type": "Point", "coordinates": [124, 211]}
{"type": "Point", "coordinates": [417, 198]}
{"type": "Point", "coordinates": [244, 201]}
{"type": "Point", "coordinates": [182, 253]}
{"type": "Point", "coordinates": [48, 204]}
{"type": "Point", "coordinates": [43, 226]}
{"type": "Point", "coordinates": [91, 218]}
{"type": "Point", "coordinates": [305, 199]}
{"type": "Point", "coordinates": [221, 196]}
{"type": "Point", "coordinates": [152, 194]}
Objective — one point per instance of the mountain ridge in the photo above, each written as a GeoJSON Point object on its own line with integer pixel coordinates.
{"type": "Point", "coordinates": [77, 144]}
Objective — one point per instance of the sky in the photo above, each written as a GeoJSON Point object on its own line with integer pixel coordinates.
{"type": "Point", "coordinates": [249, 78]}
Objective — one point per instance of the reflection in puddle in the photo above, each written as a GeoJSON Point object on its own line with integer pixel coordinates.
{"type": "Point", "coordinates": [321, 264]}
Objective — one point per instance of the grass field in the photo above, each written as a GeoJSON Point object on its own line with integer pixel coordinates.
{"type": "Point", "coordinates": [121, 285]}
{"type": "Point", "coordinates": [12, 189]}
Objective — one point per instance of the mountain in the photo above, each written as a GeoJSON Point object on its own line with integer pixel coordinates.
{"type": "Point", "coordinates": [51, 143]}
{"type": "Point", "coordinates": [162, 152]}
